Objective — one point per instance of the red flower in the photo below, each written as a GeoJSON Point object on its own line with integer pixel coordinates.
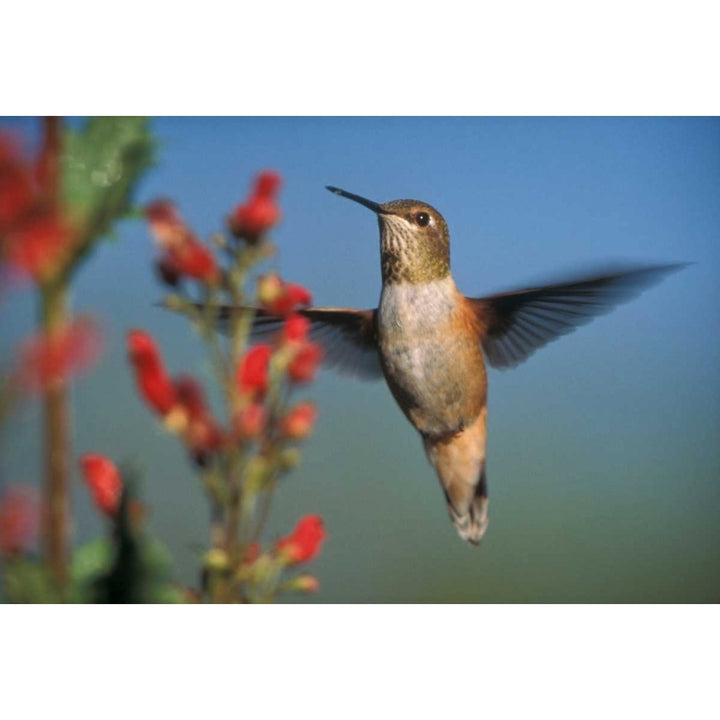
{"type": "Point", "coordinates": [37, 245]}
{"type": "Point", "coordinates": [17, 193]}
{"type": "Point", "coordinates": [153, 382]}
{"type": "Point", "coordinates": [34, 237]}
{"type": "Point", "coordinates": [202, 433]}
{"type": "Point", "coordinates": [194, 260]}
{"type": "Point", "coordinates": [18, 520]}
{"type": "Point", "coordinates": [104, 481]}
{"type": "Point", "coordinates": [255, 217]}
{"type": "Point", "coordinates": [267, 184]}
{"type": "Point", "coordinates": [299, 421]}
{"type": "Point", "coordinates": [304, 542]}
{"type": "Point", "coordinates": [304, 365]}
{"type": "Point", "coordinates": [49, 359]}
{"type": "Point", "coordinates": [295, 329]}
{"type": "Point", "coordinates": [290, 297]}
{"type": "Point", "coordinates": [252, 371]}
{"type": "Point", "coordinates": [166, 224]}
{"type": "Point", "coordinates": [250, 421]}
{"type": "Point", "coordinates": [184, 254]}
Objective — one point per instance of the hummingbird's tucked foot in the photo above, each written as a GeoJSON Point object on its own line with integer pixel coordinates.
{"type": "Point", "coordinates": [459, 462]}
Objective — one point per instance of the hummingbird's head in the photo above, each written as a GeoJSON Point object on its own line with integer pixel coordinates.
{"type": "Point", "coordinates": [414, 239]}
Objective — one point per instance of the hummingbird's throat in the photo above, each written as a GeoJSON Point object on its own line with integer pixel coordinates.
{"type": "Point", "coordinates": [409, 256]}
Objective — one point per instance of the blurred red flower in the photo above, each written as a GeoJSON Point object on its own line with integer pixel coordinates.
{"type": "Point", "coordinates": [250, 421]}
{"type": "Point", "coordinates": [151, 377]}
{"type": "Point", "coordinates": [183, 253]}
{"type": "Point", "coordinates": [304, 365]}
{"type": "Point", "coordinates": [34, 238]}
{"type": "Point", "coordinates": [299, 421]}
{"type": "Point", "coordinates": [166, 224]}
{"type": "Point", "coordinates": [279, 297]}
{"type": "Point", "coordinates": [103, 479]}
{"type": "Point", "coordinates": [36, 246]}
{"type": "Point", "coordinates": [18, 520]}
{"type": "Point", "coordinates": [202, 433]}
{"type": "Point", "coordinates": [260, 212]}
{"type": "Point", "coordinates": [47, 359]}
{"type": "Point", "coordinates": [17, 191]}
{"type": "Point", "coordinates": [295, 329]}
{"type": "Point", "coordinates": [252, 372]}
{"type": "Point", "coordinates": [304, 542]}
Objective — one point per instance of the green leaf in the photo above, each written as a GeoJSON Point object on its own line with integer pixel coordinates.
{"type": "Point", "coordinates": [90, 561]}
{"type": "Point", "coordinates": [101, 166]}
{"type": "Point", "coordinates": [26, 580]}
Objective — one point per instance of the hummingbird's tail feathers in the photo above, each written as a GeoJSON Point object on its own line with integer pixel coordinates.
{"type": "Point", "coordinates": [472, 524]}
{"type": "Point", "coordinates": [459, 461]}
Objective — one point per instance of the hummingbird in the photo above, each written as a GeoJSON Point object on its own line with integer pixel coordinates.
{"type": "Point", "coordinates": [431, 343]}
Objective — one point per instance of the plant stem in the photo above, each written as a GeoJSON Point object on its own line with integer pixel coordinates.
{"type": "Point", "coordinates": [57, 441]}
{"type": "Point", "coordinates": [53, 318]}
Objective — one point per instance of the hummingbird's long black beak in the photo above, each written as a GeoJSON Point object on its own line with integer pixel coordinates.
{"type": "Point", "coordinates": [375, 207]}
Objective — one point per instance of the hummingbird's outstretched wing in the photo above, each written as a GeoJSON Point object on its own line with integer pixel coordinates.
{"type": "Point", "coordinates": [515, 324]}
{"type": "Point", "coordinates": [348, 337]}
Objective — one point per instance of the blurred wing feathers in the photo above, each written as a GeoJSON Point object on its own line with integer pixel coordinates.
{"type": "Point", "coordinates": [515, 324]}
{"type": "Point", "coordinates": [348, 337]}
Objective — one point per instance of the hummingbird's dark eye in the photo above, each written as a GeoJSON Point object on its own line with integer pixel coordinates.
{"type": "Point", "coordinates": [423, 219]}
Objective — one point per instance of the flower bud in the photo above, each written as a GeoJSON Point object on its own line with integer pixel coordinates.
{"type": "Point", "coordinates": [153, 381]}
{"type": "Point", "coordinates": [217, 560]}
{"type": "Point", "coordinates": [289, 458]}
{"type": "Point", "coordinates": [304, 542]}
{"type": "Point", "coordinates": [252, 372]}
{"type": "Point", "coordinates": [104, 482]}
{"type": "Point", "coordinates": [304, 365]}
{"type": "Point", "coordinates": [299, 421]}
{"type": "Point", "coordinates": [250, 421]}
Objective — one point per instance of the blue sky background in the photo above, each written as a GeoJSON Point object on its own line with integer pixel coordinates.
{"type": "Point", "coordinates": [603, 455]}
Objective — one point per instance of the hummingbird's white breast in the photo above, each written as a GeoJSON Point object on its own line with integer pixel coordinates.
{"type": "Point", "coordinates": [423, 357]}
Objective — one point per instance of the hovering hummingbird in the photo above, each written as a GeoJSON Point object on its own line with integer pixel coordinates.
{"type": "Point", "coordinates": [430, 342]}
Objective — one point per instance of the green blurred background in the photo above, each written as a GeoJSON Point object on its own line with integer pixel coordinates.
{"type": "Point", "coordinates": [604, 448]}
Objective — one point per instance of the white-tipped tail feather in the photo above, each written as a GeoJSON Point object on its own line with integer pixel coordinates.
{"type": "Point", "coordinates": [459, 461]}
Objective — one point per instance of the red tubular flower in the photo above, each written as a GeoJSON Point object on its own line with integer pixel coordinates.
{"type": "Point", "coordinates": [104, 482]}
{"type": "Point", "coordinates": [202, 433]}
{"type": "Point", "coordinates": [183, 254]}
{"type": "Point", "coordinates": [304, 542]}
{"type": "Point", "coordinates": [49, 359]}
{"type": "Point", "coordinates": [255, 217]}
{"type": "Point", "coordinates": [34, 237]}
{"type": "Point", "coordinates": [295, 329]}
{"type": "Point", "coordinates": [267, 184]}
{"type": "Point", "coordinates": [299, 421]}
{"type": "Point", "coordinates": [279, 297]}
{"type": "Point", "coordinates": [304, 365]}
{"type": "Point", "coordinates": [17, 193]}
{"type": "Point", "coordinates": [292, 297]}
{"type": "Point", "coordinates": [18, 520]}
{"type": "Point", "coordinates": [152, 380]}
{"type": "Point", "coordinates": [252, 371]}
{"type": "Point", "coordinates": [36, 246]}
{"type": "Point", "coordinates": [166, 224]}
{"type": "Point", "coordinates": [250, 421]}
{"type": "Point", "coordinates": [194, 260]}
